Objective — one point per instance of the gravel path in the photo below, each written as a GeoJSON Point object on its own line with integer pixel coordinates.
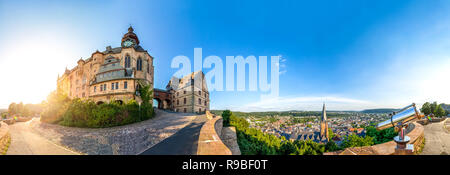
{"type": "Point", "coordinates": [122, 140]}
{"type": "Point", "coordinates": [437, 138]}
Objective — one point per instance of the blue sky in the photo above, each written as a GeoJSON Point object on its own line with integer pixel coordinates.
{"type": "Point", "coordinates": [352, 55]}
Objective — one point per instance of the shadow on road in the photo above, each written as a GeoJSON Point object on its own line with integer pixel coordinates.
{"type": "Point", "coordinates": [183, 142]}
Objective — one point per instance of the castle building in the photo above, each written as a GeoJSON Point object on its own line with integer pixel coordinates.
{"type": "Point", "coordinates": [111, 75]}
{"type": "Point", "coordinates": [324, 125]}
{"type": "Point", "coordinates": [187, 94]}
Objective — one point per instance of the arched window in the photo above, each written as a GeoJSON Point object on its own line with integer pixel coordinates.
{"type": "Point", "coordinates": [148, 68]}
{"type": "Point", "coordinates": [127, 61]}
{"type": "Point", "coordinates": [139, 64]}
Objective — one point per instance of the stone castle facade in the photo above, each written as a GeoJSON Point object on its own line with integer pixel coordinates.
{"type": "Point", "coordinates": [115, 74]}
{"type": "Point", "coordinates": [189, 94]}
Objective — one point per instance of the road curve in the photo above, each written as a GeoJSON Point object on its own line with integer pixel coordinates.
{"type": "Point", "coordinates": [25, 142]}
{"type": "Point", "coordinates": [183, 142]}
{"type": "Point", "coordinates": [437, 139]}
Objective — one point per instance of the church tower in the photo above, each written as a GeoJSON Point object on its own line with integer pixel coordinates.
{"type": "Point", "coordinates": [324, 125]}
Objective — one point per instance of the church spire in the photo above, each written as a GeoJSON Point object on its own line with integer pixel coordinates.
{"type": "Point", "coordinates": [324, 113]}
{"type": "Point", "coordinates": [324, 124]}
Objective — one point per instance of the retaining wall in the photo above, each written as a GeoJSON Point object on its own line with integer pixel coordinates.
{"type": "Point", "coordinates": [209, 142]}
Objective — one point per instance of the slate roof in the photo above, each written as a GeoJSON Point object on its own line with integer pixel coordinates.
{"type": "Point", "coordinates": [112, 70]}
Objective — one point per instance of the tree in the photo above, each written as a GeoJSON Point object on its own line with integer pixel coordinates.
{"type": "Point", "coordinates": [226, 117]}
{"type": "Point", "coordinates": [12, 108]}
{"type": "Point", "coordinates": [146, 96]}
{"type": "Point", "coordinates": [331, 146]}
{"type": "Point", "coordinates": [433, 107]}
{"type": "Point", "coordinates": [354, 140]}
{"type": "Point", "coordinates": [439, 111]}
{"type": "Point", "coordinates": [426, 108]}
{"type": "Point", "coordinates": [330, 133]}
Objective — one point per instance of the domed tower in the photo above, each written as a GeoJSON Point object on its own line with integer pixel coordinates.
{"type": "Point", "coordinates": [130, 39]}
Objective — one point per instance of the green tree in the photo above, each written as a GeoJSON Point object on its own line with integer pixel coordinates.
{"type": "Point", "coordinates": [382, 136]}
{"type": "Point", "coordinates": [226, 117]}
{"type": "Point", "coordinates": [426, 108]}
{"type": "Point", "coordinates": [354, 140]}
{"type": "Point", "coordinates": [433, 107]}
{"type": "Point", "coordinates": [147, 97]}
{"type": "Point", "coordinates": [439, 111]}
{"type": "Point", "coordinates": [331, 146]}
{"type": "Point", "coordinates": [330, 133]}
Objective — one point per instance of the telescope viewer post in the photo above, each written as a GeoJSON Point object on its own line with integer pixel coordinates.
{"type": "Point", "coordinates": [400, 121]}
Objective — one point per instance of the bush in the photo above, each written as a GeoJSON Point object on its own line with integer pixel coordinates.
{"type": "Point", "coordinates": [85, 113]}
{"type": "Point", "coordinates": [88, 114]}
{"type": "Point", "coordinates": [354, 140]}
{"type": "Point", "coordinates": [382, 136]}
{"type": "Point", "coordinates": [55, 107]}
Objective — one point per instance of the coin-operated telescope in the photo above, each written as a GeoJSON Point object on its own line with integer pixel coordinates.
{"type": "Point", "coordinates": [400, 120]}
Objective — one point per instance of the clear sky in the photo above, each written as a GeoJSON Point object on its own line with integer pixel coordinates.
{"type": "Point", "coordinates": [352, 55]}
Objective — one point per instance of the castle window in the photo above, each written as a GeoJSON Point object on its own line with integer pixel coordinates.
{"type": "Point", "coordinates": [148, 68]}
{"type": "Point", "coordinates": [117, 85]}
{"type": "Point", "coordinates": [184, 92]}
{"type": "Point", "coordinates": [127, 61]}
{"type": "Point", "coordinates": [125, 85]}
{"type": "Point", "coordinates": [199, 101]}
{"type": "Point", "coordinates": [139, 64]}
{"type": "Point", "coordinates": [199, 92]}
{"type": "Point", "coordinates": [112, 86]}
{"type": "Point", "coordinates": [205, 102]}
{"type": "Point", "coordinates": [95, 88]}
{"type": "Point", "coordinates": [184, 110]}
{"type": "Point", "coordinates": [178, 102]}
{"type": "Point", "coordinates": [184, 100]}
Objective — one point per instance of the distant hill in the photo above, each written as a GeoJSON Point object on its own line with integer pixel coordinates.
{"type": "Point", "coordinates": [446, 107]}
{"type": "Point", "coordinates": [381, 110]}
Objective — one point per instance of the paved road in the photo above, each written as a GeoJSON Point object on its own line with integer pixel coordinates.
{"type": "Point", "coordinates": [25, 142]}
{"type": "Point", "coordinates": [183, 142]}
{"type": "Point", "coordinates": [437, 139]}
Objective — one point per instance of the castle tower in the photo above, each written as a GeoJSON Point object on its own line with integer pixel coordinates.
{"type": "Point", "coordinates": [324, 124]}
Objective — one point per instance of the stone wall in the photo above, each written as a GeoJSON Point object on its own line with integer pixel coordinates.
{"type": "Point", "coordinates": [209, 142]}
{"type": "Point", "coordinates": [217, 140]}
{"type": "Point", "coordinates": [229, 138]}
{"type": "Point", "coordinates": [433, 120]}
{"type": "Point", "coordinates": [23, 119]}
{"type": "Point", "coordinates": [4, 137]}
{"type": "Point", "coordinates": [388, 148]}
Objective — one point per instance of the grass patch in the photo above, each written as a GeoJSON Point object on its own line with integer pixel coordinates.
{"type": "Point", "coordinates": [4, 148]}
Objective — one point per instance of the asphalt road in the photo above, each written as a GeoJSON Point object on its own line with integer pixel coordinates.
{"type": "Point", "coordinates": [183, 142]}
{"type": "Point", "coordinates": [437, 139]}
